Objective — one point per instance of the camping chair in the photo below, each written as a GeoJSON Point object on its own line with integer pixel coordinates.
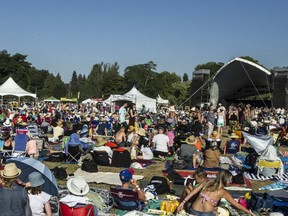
{"type": "Point", "coordinates": [86, 210]}
{"type": "Point", "coordinates": [126, 199]}
{"type": "Point", "coordinates": [4, 153]}
{"type": "Point", "coordinates": [33, 130]}
{"type": "Point", "coordinates": [268, 164]}
{"type": "Point", "coordinates": [232, 146]}
{"type": "Point", "coordinates": [73, 148]}
{"type": "Point", "coordinates": [19, 149]}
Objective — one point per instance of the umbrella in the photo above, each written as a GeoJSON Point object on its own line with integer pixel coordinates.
{"type": "Point", "coordinates": [29, 165]}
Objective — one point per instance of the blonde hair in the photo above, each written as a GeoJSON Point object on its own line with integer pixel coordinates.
{"type": "Point", "coordinates": [219, 183]}
{"type": "Point", "coordinates": [8, 182]}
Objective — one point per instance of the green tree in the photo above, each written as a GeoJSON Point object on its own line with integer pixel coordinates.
{"type": "Point", "coordinates": [139, 76]}
{"type": "Point", "coordinates": [74, 85]}
{"type": "Point", "coordinates": [185, 77]}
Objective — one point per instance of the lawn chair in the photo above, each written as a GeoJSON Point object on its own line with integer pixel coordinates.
{"type": "Point", "coordinates": [19, 149]}
{"type": "Point", "coordinates": [126, 199]}
{"type": "Point", "coordinates": [269, 164]}
{"type": "Point", "coordinates": [86, 210]}
{"type": "Point", "coordinates": [232, 146]}
{"type": "Point", "coordinates": [73, 149]}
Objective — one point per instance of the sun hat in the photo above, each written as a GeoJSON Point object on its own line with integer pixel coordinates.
{"type": "Point", "coordinates": [10, 171]}
{"type": "Point", "coordinates": [78, 186]}
{"type": "Point", "coordinates": [191, 140]}
{"type": "Point", "coordinates": [141, 132]}
{"type": "Point", "coordinates": [100, 141]}
{"type": "Point", "coordinates": [130, 128]}
{"type": "Point", "coordinates": [193, 109]}
{"type": "Point", "coordinates": [36, 179]}
{"type": "Point", "coordinates": [7, 123]}
{"type": "Point", "coordinates": [233, 135]}
{"type": "Point", "coordinates": [172, 109]}
{"type": "Point", "coordinates": [126, 175]}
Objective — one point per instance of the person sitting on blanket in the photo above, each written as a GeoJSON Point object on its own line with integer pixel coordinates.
{"type": "Point", "coordinates": [39, 200]}
{"type": "Point", "coordinates": [212, 156]}
{"type": "Point", "coordinates": [188, 151]}
{"type": "Point", "coordinates": [126, 177]}
{"type": "Point", "coordinates": [199, 176]}
{"type": "Point", "coordinates": [79, 189]}
{"type": "Point", "coordinates": [210, 192]}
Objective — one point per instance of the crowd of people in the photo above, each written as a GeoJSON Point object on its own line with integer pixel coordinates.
{"type": "Point", "coordinates": [186, 134]}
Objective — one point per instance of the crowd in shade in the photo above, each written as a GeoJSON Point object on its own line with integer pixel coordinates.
{"type": "Point", "coordinates": [193, 135]}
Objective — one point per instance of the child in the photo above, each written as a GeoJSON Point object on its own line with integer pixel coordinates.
{"type": "Point", "coordinates": [199, 177]}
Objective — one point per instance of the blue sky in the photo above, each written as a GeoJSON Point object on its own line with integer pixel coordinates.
{"type": "Point", "coordinates": [62, 36]}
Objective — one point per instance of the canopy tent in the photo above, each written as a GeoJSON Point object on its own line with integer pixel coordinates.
{"type": "Point", "coordinates": [92, 100]}
{"type": "Point", "coordinates": [141, 99]}
{"type": "Point", "coordinates": [52, 99]}
{"type": "Point", "coordinates": [10, 87]}
{"type": "Point", "coordinates": [239, 78]}
{"type": "Point", "coordinates": [161, 101]}
{"type": "Point", "coordinates": [116, 97]}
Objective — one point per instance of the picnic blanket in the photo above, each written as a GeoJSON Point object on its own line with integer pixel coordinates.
{"type": "Point", "coordinates": [103, 177]}
{"type": "Point", "coordinates": [261, 177]}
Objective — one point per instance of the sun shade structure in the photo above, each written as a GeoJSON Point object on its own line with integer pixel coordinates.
{"type": "Point", "coordinates": [239, 78]}
{"type": "Point", "coordinates": [10, 87]}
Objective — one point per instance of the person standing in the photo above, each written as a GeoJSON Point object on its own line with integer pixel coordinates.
{"type": "Point", "coordinates": [211, 120]}
{"type": "Point", "coordinates": [13, 198]}
{"type": "Point", "coordinates": [122, 114]}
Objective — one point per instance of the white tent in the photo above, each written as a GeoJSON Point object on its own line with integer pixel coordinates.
{"type": "Point", "coordinates": [52, 100]}
{"type": "Point", "coordinates": [141, 99]}
{"type": "Point", "coordinates": [161, 100]}
{"type": "Point", "coordinates": [10, 87]}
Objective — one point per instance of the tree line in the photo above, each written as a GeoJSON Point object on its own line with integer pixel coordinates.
{"type": "Point", "coordinates": [103, 80]}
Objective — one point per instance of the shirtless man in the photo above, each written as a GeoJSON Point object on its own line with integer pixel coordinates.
{"type": "Point", "coordinates": [120, 137]}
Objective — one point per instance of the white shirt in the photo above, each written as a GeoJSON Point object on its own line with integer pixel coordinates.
{"type": "Point", "coordinates": [58, 131]}
{"type": "Point", "coordinates": [122, 113]}
{"type": "Point", "coordinates": [37, 203]}
{"type": "Point", "coordinates": [161, 142]}
{"type": "Point", "coordinates": [147, 153]}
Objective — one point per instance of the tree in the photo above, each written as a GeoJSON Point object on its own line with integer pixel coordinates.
{"type": "Point", "coordinates": [139, 76]}
{"type": "Point", "coordinates": [74, 86]}
{"type": "Point", "coordinates": [185, 77]}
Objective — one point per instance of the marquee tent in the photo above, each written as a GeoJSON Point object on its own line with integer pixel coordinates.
{"type": "Point", "coordinates": [141, 99]}
{"type": "Point", "coordinates": [239, 78]}
{"type": "Point", "coordinates": [10, 87]}
{"type": "Point", "coordinates": [52, 99]}
{"type": "Point", "coordinates": [161, 100]}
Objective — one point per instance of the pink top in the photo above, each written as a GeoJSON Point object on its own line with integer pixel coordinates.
{"type": "Point", "coordinates": [171, 136]}
{"type": "Point", "coordinates": [32, 148]}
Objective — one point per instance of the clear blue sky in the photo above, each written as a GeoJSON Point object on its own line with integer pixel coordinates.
{"type": "Point", "coordinates": [62, 36]}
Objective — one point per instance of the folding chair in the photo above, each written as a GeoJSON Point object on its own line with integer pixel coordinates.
{"type": "Point", "coordinates": [126, 199]}
{"type": "Point", "coordinates": [232, 146]}
{"type": "Point", "coordinates": [19, 149]}
{"type": "Point", "coordinates": [86, 210]}
{"type": "Point", "coordinates": [73, 148]}
{"type": "Point", "coordinates": [269, 164]}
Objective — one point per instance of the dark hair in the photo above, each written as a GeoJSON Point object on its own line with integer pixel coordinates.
{"type": "Point", "coordinates": [201, 173]}
{"type": "Point", "coordinates": [34, 190]}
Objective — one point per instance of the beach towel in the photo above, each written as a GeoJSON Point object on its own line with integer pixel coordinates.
{"type": "Point", "coordinates": [103, 177]}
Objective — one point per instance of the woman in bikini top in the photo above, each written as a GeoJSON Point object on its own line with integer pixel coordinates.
{"type": "Point", "coordinates": [209, 194]}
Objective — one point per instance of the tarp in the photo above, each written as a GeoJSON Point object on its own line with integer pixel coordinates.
{"type": "Point", "coordinates": [258, 142]}
{"type": "Point", "coordinates": [142, 99]}
{"type": "Point", "coordinates": [10, 87]}
{"type": "Point", "coordinates": [238, 79]}
{"type": "Point", "coordinates": [161, 100]}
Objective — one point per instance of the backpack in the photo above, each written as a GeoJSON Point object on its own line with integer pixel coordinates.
{"type": "Point", "coordinates": [251, 160]}
{"type": "Point", "coordinates": [121, 158]}
{"type": "Point", "coordinates": [89, 166]}
{"type": "Point", "coordinates": [101, 158]}
{"type": "Point", "coordinates": [59, 173]}
{"type": "Point", "coordinates": [160, 183]}
{"type": "Point", "coordinates": [56, 157]}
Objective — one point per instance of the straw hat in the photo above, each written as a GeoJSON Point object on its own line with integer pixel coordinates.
{"type": "Point", "coordinates": [78, 186]}
{"type": "Point", "coordinates": [100, 141]}
{"type": "Point", "coordinates": [191, 140]}
{"type": "Point", "coordinates": [233, 135]}
{"type": "Point", "coordinates": [131, 128]}
{"type": "Point", "coordinates": [36, 179]}
{"type": "Point", "coordinates": [10, 171]}
{"type": "Point", "coordinates": [141, 132]}
{"type": "Point", "coordinates": [193, 109]}
{"type": "Point", "coordinates": [172, 109]}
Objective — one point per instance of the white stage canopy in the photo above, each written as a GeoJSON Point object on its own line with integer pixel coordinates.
{"type": "Point", "coordinates": [161, 100]}
{"type": "Point", "coordinates": [10, 87]}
